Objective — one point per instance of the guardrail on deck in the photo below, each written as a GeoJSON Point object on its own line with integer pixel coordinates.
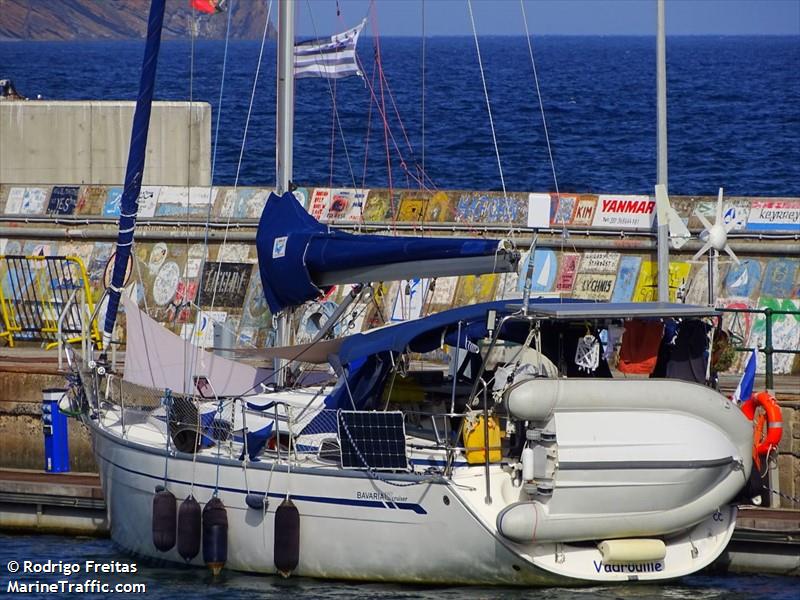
{"type": "Point", "coordinates": [768, 350]}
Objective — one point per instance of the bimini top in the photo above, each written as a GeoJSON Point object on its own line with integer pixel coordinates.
{"type": "Point", "coordinates": [367, 357]}
{"type": "Point", "coordinates": [298, 256]}
{"type": "Point", "coordinates": [429, 333]}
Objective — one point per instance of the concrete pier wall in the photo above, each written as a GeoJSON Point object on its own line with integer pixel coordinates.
{"type": "Point", "coordinates": [21, 435]}
{"type": "Point", "coordinates": [81, 142]}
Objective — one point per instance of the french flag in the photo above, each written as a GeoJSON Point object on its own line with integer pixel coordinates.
{"type": "Point", "coordinates": [745, 388]}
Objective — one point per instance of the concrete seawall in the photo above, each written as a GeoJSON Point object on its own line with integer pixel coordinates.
{"type": "Point", "coordinates": [75, 142]}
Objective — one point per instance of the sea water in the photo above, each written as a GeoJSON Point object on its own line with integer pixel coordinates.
{"type": "Point", "coordinates": [733, 110]}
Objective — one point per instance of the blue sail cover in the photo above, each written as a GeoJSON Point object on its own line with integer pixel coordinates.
{"type": "Point", "coordinates": [294, 249]}
{"type": "Point", "coordinates": [129, 204]}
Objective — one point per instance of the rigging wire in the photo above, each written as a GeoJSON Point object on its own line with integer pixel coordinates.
{"type": "Point", "coordinates": [188, 361]}
{"type": "Point", "coordinates": [374, 98]}
{"type": "Point", "coordinates": [367, 136]}
{"type": "Point", "coordinates": [420, 177]}
{"type": "Point", "coordinates": [196, 350]}
{"type": "Point", "coordinates": [244, 142]}
{"type": "Point", "coordinates": [198, 311]}
{"type": "Point", "coordinates": [219, 103]}
{"type": "Point", "coordinates": [402, 127]}
{"type": "Point", "coordinates": [423, 88]}
{"type": "Point", "coordinates": [539, 95]}
{"type": "Point", "coordinates": [188, 355]}
{"type": "Point", "coordinates": [494, 136]}
{"type": "Point", "coordinates": [332, 92]}
{"type": "Point", "coordinates": [386, 131]}
{"type": "Point", "coordinates": [333, 138]}
{"type": "Point", "coordinates": [488, 104]}
{"type": "Point", "coordinates": [564, 231]}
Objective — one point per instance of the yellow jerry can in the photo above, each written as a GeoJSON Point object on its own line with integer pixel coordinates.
{"type": "Point", "coordinates": [474, 445]}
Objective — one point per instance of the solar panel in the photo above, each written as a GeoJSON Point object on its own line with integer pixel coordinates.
{"type": "Point", "coordinates": [372, 440]}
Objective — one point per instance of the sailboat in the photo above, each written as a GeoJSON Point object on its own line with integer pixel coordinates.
{"type": "Point", "coordinates": [525, 464]}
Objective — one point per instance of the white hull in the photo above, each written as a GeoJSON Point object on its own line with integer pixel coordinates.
{"type": "Point", "coordinates": [349, 529]}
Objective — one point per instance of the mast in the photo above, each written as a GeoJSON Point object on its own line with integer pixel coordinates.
{"type": "Point", "coordinates": [661, 92]}
{"type": "Point", "coordinates": [284, 128]}
{"type": "Point", "coordinates": [284, 140]}
{"type": "Point", "coordinates": [129, 204]}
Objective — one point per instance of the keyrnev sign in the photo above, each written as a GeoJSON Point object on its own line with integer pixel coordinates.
{"type": "Point", "coordinates": [774, 215]}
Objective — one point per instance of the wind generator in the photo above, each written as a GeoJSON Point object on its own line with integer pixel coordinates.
{"type": "Point", "coordinates": [716, 239]}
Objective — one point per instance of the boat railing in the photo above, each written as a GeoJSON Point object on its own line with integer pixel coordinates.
{"type": "Point", "coordinates": [302, 434]}
{"type": "Point", "coordinates": [771, 315]}
{"type": "Point", "coordinates": [293, 433]}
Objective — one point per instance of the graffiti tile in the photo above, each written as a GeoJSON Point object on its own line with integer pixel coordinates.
{"type": "Point", "coordinates": [600, 262]}
{"type": "Point", "coordinates": [63, 200]}
{"type": "Point", "coordinates": [743, 279]}
{"type": "Point", "coordinates": [567, 271]}
{"type": "Point", "coordinates": [584, 210]}
{"type": "Point", "coordinates": [563, 209]}
{"type": "Point", "coordinates": [647, 283]}
{"type": "Point", "coordinates": [779, 277]}
{"type": "Point", "coordinates": [594, 286]}
{"type": "Point", "coordinates": [626, 278]}
{"type": "Point", "coordinates": [545, 268]}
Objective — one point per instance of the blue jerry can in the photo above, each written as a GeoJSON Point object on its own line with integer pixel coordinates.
{"type": "Point", "coordinates": [54, 426]}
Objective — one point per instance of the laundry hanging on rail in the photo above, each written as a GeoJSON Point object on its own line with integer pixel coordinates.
{"type": "Point", "coordinates": [689, 357]}
{"type": "Point", "coordinates": [640, 344]}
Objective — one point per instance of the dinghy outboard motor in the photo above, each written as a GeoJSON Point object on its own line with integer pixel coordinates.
{"type": "Point", "coordinates": [286, 552]}
{"type": "Point", "coordinates": [165, 519]}
{"type": "Point", "coordinates": [189, 529]}
{"type": "Point", "coordinates": [215, 535]}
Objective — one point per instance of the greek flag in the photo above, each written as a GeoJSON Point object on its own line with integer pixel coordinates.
{"type": "Point", "coordinates": [332, 57]}
{"type": "Point", "coordinates": [745, 388]}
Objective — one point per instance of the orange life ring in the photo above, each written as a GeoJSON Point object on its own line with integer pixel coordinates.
{"type": "Point", "coordinates": [764, 442]}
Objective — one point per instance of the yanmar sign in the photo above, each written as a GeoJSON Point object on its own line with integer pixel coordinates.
{"type": "Point", "coordinates": [624, 212]}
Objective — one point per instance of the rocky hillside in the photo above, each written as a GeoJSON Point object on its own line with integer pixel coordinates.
{"type": "Point", "coordinates": [121, 19]}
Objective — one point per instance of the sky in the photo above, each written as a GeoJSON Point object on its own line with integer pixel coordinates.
{"type": "Point", "coordinates": [554, 17]}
